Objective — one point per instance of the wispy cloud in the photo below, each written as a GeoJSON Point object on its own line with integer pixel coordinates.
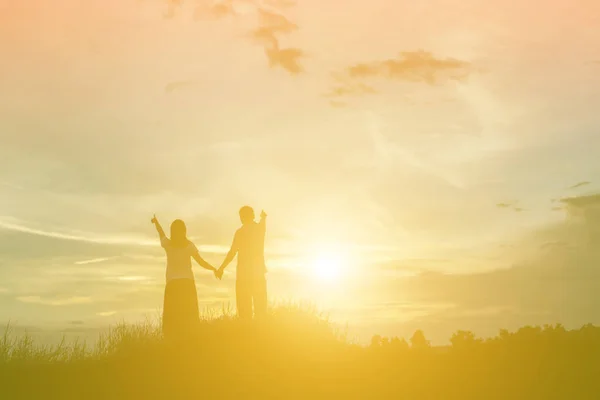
{"type": "Point", "coordinates": [106, 313]}
{"type": "Point", "coordinates": [18, 226]}
{"type": "Point", "coordinates": [214, 249]}
{"type": "Point", "coordinates": [580, 184]}
{"type": "Point", "coordinates": [510, 206]}
{"type": "Point", "coordinates": [94, 260]}
{"type": "Point", "coordinates": [347, 89]}
{"type": "Point", "coordinates": [133, 278]}
{"type": "Point", "coordinates": [411, 66]}
{"type": "Point", "coordinates": [554, 245]}
{"type": "Point", "coordinates": [125, 245]}
{"type": "Point", "coordinates": [128, 278]}
{"type": "Point", "coordinates": [414, 66]}
{"type": "Point", "coordinates": [387, 152]}
{"type": "Point", "coordinates": [55, 301]}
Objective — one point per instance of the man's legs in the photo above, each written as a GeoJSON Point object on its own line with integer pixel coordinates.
{"type": "Point", "coordinates": [243, 297]}
{"type": "Point", "coordinates": [259, 294]}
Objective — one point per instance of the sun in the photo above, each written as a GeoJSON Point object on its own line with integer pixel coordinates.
{"type": "Point", "coordinates": [326, 266]}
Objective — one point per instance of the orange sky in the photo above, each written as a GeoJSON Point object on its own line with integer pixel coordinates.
{"type": "Point", "coordinates": [418, 137]}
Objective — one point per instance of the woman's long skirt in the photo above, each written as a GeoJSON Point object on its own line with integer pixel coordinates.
{"type": "Point", "coordinates": [180, 310]}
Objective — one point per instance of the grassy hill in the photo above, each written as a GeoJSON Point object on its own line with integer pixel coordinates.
{"type": "Point", "coordinates": [297, 354]}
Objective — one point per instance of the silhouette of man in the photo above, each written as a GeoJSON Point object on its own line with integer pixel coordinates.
{"type": "Point", "coordinates": [249, 245]}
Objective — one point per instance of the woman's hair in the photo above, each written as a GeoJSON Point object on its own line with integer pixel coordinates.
{"type": "Point", "coordinates": [179, 233]}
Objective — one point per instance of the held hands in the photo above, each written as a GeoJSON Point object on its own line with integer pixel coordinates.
{"type": "Point", "coordinates": [219, 273]}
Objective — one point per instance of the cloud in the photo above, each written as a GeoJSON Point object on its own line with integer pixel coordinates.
{"type": "Point", "coordinates": [350, 89]}
{"type": "Point", "coordinates": [216, 10]}
{"type": "Point", "coordinates": [582, 202]}
{"type": "Point", "coordinates": [94, 260]}
{"type": "Point", "coordinates": [549, 276]}
{"type": "Point", "coordinates": [274, 22]}
{"type": "Point", "coordinates": [5, 223]}
{"type": "Point", "coordinates": [288, 59]}
{"type": "Point", "coordinates": [54, 301]}
{"type": "Point", "coordinates": [371, 313]}
{"type": "Point", "coordinates": [415, 66]}
{"type": "Point", "coordinates": [580, 184]}
{"type": "Point", "coordinates": [511, 205]}
{"type": "Point", "coordinates": [130, 278]}
{"type": "Point", "coordinates": [555, 244]}
{"type": "Point", "coordinates": [415, 266]}
{"type": "Point", "coordinates": [270, 26]}
{"type": "Point", "coordinates": [106, 313]}
{"type": "Point", "coordinates": [557, 282]}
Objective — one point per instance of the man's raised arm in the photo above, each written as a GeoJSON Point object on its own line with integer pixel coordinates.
{"type": "Point", "coordinates": [263, 221]}
{"type": "Point", "coordinates": [230, 255]}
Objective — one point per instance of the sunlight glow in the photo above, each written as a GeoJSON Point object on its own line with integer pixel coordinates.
{"type": "Point", "coordinates": [327, 266]}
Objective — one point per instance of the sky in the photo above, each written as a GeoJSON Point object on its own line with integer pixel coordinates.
{"type": "Point", "coordinates": [443, 154]}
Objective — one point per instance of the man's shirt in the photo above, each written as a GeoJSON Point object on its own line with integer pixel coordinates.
{"type": "Point", "coordinates": [249, 242]}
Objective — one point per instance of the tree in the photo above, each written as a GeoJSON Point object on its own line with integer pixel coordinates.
{"type": "Point", "coordinates": [418, 340]}
{"type": "Point", "coordinates": [399, 343]}
{"type": "Point", "coordinates": [376, 341]}
{"type": "Point", "coordinates": [463, 339]}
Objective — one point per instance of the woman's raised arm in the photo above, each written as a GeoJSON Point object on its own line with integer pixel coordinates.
{"type": "Point", "coordinates": [159, 229]}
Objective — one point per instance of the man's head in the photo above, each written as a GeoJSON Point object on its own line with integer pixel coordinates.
{"type": "Point", "coordinates": [246, 214]}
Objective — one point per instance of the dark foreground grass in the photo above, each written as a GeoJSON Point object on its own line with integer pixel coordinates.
{"type": "Point", "coordinates": [296, 354]}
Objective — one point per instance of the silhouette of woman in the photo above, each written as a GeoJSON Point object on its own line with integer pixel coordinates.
{"type": "Point", "coordinates": [180, 309]}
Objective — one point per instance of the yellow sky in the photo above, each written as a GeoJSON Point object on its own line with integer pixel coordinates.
{"type": "Point", "coordinates": [414, 136]}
